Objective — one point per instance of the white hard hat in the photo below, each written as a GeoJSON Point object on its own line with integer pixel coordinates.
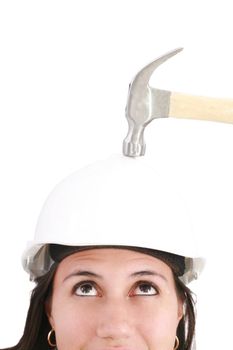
{"type": "Point", "coordinates": [120, 201]}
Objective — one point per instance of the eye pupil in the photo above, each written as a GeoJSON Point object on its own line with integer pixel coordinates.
{"type": "Point", "coordinates": [86, 288]}
{"type": "Point", "coordinates": [145, 288]}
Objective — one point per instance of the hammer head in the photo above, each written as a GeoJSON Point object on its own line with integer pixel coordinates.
{"type": "Point", "coordinates": [144, 104]}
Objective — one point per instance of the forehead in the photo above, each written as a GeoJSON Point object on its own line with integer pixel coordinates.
{"type": "Point", "coordinates": [105, 260]}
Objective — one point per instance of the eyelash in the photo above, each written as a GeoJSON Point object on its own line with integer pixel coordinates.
{"type": "Point", "coordinates": [131, 292]}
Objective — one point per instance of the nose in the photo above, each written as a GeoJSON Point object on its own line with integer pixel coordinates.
{"type": "Point", "coordinates": [114, 322]}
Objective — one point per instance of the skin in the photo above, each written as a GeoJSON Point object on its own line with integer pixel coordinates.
{"type": "Point", "coordinates": [114, 299]}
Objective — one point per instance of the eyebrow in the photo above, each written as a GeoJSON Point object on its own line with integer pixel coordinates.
{"type": "Point", "coordinates": [148, 273]}
{"type": "Point", "coordinates": [135, 274]}
{"type": "Point", "coordinates": [82, 273]}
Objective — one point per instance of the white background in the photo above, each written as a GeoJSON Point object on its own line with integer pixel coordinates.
{"type": "Point", "coordinates": [65, 67]}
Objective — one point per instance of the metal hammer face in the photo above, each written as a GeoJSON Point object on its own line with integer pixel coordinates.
{"type": "Point", "coordinates": [144, 104]}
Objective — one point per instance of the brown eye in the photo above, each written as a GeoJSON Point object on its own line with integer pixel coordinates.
{"type": "Point", "coordinates": [145, 288]}
{"type": "Point", "coordinates": [85, 289]}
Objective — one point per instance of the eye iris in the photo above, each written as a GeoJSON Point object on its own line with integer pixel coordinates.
{"type": "Point", "coordinates": [86, 288]}
{"type": "Point", "coordinates": [145, 288]}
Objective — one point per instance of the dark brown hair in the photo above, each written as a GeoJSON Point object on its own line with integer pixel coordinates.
{"type": "Point", "coordinates": [37, 325]}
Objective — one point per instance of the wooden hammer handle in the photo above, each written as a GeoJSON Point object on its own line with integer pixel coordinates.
{"type": "Point", "coordinates": [203, 108]}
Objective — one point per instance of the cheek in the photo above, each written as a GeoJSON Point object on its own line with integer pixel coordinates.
{"type": "Point", "coordinates": [73, 325]}
{"type": "Point", "coordinates": [159, 325]}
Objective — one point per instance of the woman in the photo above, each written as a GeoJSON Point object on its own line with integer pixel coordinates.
{"type": "Point", "coordinates": [111, 258]}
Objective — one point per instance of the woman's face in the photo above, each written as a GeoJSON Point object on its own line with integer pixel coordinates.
{"type": "Point", "coordinates": [114, 299]}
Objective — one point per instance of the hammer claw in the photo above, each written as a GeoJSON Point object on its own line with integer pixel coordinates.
{"type": "Point", "coordinates": [144, 75]}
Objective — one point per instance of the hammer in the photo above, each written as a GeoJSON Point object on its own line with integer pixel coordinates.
{"type": "Point", "coordinates": [146, 103]}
